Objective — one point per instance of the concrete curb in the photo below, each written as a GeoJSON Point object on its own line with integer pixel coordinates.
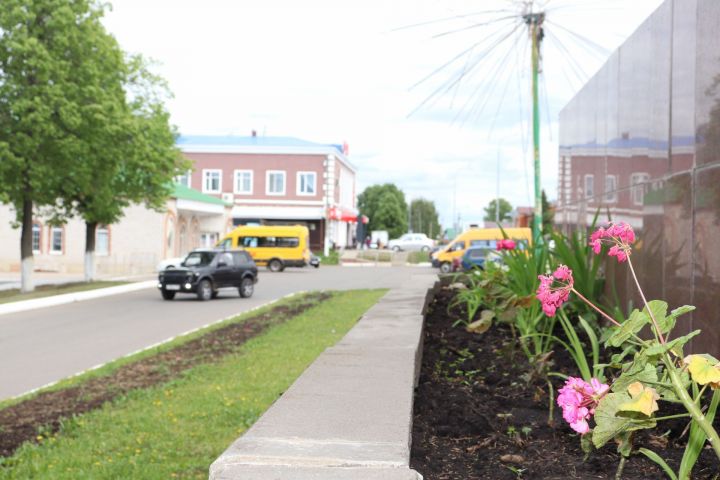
{"type": "Point", "coordinates": [349, 415]}
{"type": "Point", "coordinates": [24, 305]}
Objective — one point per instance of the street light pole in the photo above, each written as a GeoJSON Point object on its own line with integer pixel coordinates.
{"type": "Point", "coordinates": [534, 22]}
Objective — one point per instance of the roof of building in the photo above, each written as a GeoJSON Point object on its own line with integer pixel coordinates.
{"type": "Point", "coordinates": [260, 145]}
{"type": "Point", "coordinates": [253, 141]}
{"type": "Point", "coordinates": [187, 193]}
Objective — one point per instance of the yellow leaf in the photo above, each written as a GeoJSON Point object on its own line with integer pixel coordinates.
{"type": "Point", "coordinates": [644, 399]}
{"type": "Point", "coordinates": [703, 369]}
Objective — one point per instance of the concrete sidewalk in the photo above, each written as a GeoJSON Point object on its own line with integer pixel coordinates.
{"type": "Point", "coordinates": [349, 415]}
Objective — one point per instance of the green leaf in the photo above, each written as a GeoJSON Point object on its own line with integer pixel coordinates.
{"type": "Point", "coordinates": [586, 443]}
{"type": "Point", "coordinates": [657, 459]}
{"type": "Point", "coordinates": [646, 373]}
{"type": "Point", "coordinates": [629, 328]}
{"type": "Point", "coordinates": [609, 425]}
{"type": "Point", "coordinates": [669, 323]}
{"type": "Point", "coordinates": [659, 310]}
{"type": "Point", "coordinates": [616, 359]}
{"type": "Point", "coordinates": [658, 348]}
{"type": "Point", "coordinates": [624, 444]}
{"type": "Point", "coordinates": [483, 324]}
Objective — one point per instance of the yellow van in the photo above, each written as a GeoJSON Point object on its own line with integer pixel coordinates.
{"type": "Point", "coordinates": [276, 246]}
{"type": "Point", "coordinates": [476, 237]}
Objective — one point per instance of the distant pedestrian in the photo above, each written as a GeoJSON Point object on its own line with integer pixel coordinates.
{"type": "Point", "coordinates": [367, 242]}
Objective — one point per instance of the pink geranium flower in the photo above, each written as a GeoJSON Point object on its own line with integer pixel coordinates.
{"type": "Point", "coordinates": [554, 289]}
{"type": "Point", "coordinates": [619, 235]}
{"type": "Point", "coordinates": [578, 400]}
{"type": "Point", "coordinates": [506, 244]}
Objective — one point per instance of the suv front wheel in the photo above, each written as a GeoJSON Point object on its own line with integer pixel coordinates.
{"type": "Point", "coordinates": [247, 287]}
{"type": "Point", "coordinates": [204, 290]}
{"type": "Point", "coordinates": [446, 267]}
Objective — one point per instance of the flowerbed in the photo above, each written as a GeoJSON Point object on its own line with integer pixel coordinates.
{"type": "Point", "coordinates": [628, 382]}
{"type": "Point", "coordinates": [482, 411]}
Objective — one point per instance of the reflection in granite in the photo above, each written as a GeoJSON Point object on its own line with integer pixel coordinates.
{"type": "Point", "coordinates": [640, 143]}
{"type": "Point", "coordinates": [706, 275]}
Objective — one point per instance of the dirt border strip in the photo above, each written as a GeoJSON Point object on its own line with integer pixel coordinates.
{"type": "Point", "coordinates": [155, 345]}
{"type": "Point", "coordinates": [21, 421]}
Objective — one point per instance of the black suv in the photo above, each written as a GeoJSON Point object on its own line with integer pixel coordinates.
{"type": "Point", "coordinates": [204, 271]}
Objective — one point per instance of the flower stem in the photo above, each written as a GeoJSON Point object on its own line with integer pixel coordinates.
{"type": "Point", "coordinates": [612, 320]}
{"type": "Point", "coordinates": [691, 406]}
{"type": "Point", "coordinates": [670, 417]}
{"type": "Point", "coordinates": [642, 295]}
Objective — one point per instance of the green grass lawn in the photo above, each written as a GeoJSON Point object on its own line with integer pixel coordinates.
{"type": "Point", "coordinates": [418, 257]}
{"type": "Point", "coordinates": [376, 255]}
{"type": "Point", "coordinates": [14, 295]}
{"type": "Point", "coordinates": [177, 429]}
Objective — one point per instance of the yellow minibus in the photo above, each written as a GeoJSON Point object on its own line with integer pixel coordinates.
{"type": "Point", "coordinates": [477, 237]}
{"type": "Point", "coordinates": [277, 246]}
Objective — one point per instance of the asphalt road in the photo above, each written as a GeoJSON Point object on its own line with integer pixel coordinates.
{"type": "Point", "coordinates": [41, 346]}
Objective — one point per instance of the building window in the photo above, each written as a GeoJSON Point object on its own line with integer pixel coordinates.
{"type": "Point", "coordinates": [638, 189]}
{"type": "Point", "coordinates": [275, 182]}
{"type": "Point", "coordinates": [102, 240]}
{"type": "Point", "coordinates": [589, 186]}
{"type": "Point", "coordinates": [212, 181]}
{"type": "Point", "coordinates": [208, 239]}
{"type": "Point", "coordinates": [306, 183]}
{"type": "Point", "coordinates": [184, 179]}
{"type": "Point", "coordinates": [610, 188]}
{"type": "Point", "coordinates": [244, 182]}
{"type": "Point", "coordinates": [36, 234]}
{"type": "Point", "coordinates": [56, 240]}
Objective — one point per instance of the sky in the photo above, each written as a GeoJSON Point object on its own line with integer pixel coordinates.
{"type": "Point", "coordinates": [334, 71]}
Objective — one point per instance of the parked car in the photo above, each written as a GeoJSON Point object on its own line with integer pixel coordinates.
{"type": "Point", "coordinates": [205, 271]}
{"type": "Point", "coordinates": [477, 257]}
{"type": "Point", "coordinates": [411, 242]}
{"type": "Point", "coordinates": [315, 261]}
{"type": "Point", "coordinates": [477, 237]}
{"type": "Point", "coordinates": [169, 263]}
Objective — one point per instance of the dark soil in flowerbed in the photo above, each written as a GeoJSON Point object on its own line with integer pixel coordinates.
{"type": "Point", "coordinates": [478, 415]}
{"type": "Point", "coordinates": [21, 422]}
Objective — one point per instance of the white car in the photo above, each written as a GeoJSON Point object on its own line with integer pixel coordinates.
{"type": "Point", "coordinates": [410, 242]}
{"type": "Point", "coordinates": [169, 263]}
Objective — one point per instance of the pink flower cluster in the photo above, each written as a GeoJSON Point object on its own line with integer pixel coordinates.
{"type": "Point", "coordinates": [506, 244]}
{"type": "Point", "coordinates": [578, 400]}
{"type": "Point", "coordinates": [554, 289]}
{"type": "Point", "coordinates": [619, 235]}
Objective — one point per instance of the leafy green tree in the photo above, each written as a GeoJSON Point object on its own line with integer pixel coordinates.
{"type": "Point", "coordinates": [390, 215]}
{"type": "Point", "coordinates": [135, 161]}
{"type": "Point", "coordinates": [424, 217]}
{"type": "Point", "coordinates": [386, 208]}
{"type": "Point", "coordinates": [82, 129]}
{"type": "Point", "coordinates": [51, 96]}
{"type": "Point", "coordinates": [504, 210]}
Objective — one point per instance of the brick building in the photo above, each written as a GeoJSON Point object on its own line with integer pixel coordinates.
{"type": "Point", "coordinates": [278, 181]}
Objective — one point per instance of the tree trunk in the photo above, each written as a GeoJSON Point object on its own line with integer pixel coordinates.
{"type": "Point", "coordinates": [26, 253]}
{"type": "Point", "coordinates": [90, 229]}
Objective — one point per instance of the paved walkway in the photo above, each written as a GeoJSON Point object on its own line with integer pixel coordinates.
{"type": "Point", "coordinates": [349, 415]}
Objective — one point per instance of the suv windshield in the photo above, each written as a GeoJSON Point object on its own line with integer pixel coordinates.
{"type": "Point", "coordinates": [199, 259]}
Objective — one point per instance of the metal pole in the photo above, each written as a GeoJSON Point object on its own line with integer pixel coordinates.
{"type": "Point", "coordinates": [535, 32]}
